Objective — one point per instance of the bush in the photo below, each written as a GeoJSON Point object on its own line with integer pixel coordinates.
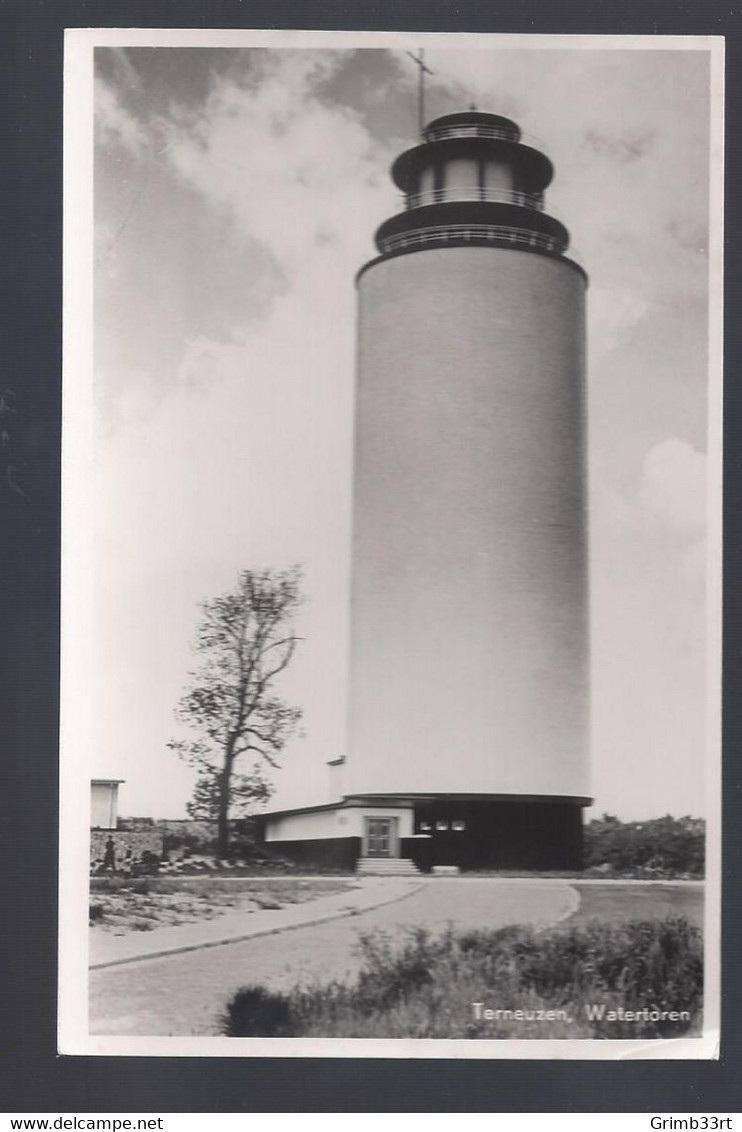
{"type": "Point", "coordinates": [188, 842]}
{"type": "Point", "coordinates": [426, 986]}
{"type": "Point", "coordinates": [254, 1012]}
{"type": "Point", "coordinates": [647, 962]}
{"type": "Point", "coordinates": [147, 865]}
{"type": "Point", "coordinates": [661, 847]}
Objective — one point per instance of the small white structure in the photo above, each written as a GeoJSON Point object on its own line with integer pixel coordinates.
{"type": "Point", "coordinates": [104, 797]}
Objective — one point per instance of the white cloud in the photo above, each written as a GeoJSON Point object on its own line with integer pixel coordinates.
{"type": "Point", "coordinates": [673, 486]}
{"type": "Point", "coordinates": [300, 176]}
{"type": "Point", "coordinates": [613, 315]}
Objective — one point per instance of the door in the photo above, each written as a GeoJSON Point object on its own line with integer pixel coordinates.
{"type": "Point", "coordinates": [380, 839]}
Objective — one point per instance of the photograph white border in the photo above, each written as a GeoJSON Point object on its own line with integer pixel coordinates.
{"type": "Point", "coordinates": [78, 562]}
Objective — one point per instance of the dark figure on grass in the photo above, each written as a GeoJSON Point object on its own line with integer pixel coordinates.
{"type": "Point", "coordinates": [109, 857]}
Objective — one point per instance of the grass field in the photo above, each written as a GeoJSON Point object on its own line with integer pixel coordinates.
{"type": "Point", "coordinates": [616, 903]}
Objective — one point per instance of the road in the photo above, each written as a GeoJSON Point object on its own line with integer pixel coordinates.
{"type": "Point", "coordinates": [185, 994]}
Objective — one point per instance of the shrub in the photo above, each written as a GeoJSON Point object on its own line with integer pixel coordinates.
{"type": "Point", "coordinates": [644, 962]}
{"type": "Point", "coordinates": [147, 865]}
{"type": "Point", "coordinates": [425, 987]}
{"type": "Point", "coordinates": [388, 975]}
{"type": "Point", "coordinates": [660, 847]}
{"type": "Point", "coordinates": [255, 1012]}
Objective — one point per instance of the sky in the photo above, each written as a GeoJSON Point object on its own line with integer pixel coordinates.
{"type": "Point", "coordinates": [236, 195]}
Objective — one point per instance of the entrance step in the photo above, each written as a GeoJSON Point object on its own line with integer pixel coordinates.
{"type": "Point", "coordinates": [387, 867]}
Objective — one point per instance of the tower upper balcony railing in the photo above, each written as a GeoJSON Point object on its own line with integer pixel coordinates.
{"type": "Point", "coordinates": [503, 132]}
{"type": "Point", "coordinates": [497, 129]}
{"type": "Point", "coordinates": [474, 192]}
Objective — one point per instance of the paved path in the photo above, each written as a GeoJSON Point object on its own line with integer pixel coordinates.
{"type": "Point", "coordinates": [184, 994]}
{"type": "Point", "coordinates": [107, 950]}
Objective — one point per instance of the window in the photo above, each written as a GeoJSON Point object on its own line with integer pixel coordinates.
{"type": "Point", "coordinates": [458, 826]}
{"type": "Point", "coordinates": [441, 825]}
{"type": "Point", "coordinates": [425, 826]}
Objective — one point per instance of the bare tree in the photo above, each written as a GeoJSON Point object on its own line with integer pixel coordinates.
{"type": "Point", "coordinates": [246, 640]}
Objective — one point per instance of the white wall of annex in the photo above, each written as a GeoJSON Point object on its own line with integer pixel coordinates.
{"type": "Point", "coordinates": [345, 822]}
{"type": "Point", "coordinates": [300, 827]}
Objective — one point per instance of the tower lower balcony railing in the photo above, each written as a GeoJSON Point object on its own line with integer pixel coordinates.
{"type": "Point", "coordinates": [474, 192]}
{"type": "Point", "coordinates": [458, 233]}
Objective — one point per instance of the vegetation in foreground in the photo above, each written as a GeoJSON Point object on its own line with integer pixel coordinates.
{"type": "Point", "coordinates": [427, 986]}
{"type": "Point", "coordinates": [120, 905]}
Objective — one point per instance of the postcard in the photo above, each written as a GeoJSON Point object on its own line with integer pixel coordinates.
{"type": "Point", "coordinates": [391, 545]}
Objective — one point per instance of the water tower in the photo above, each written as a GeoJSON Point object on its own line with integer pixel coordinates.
{"type": "Point", "coordinates": [469, 681]}
{"type": "Point", "coordinates": [468, 713]}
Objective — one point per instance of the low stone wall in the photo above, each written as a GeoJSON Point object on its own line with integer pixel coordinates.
{"type": "Point", "coordinates": [139, 841]}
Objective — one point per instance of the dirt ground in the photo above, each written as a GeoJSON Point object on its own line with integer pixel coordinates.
{"type": "Point", "coordinates": [119, 906]}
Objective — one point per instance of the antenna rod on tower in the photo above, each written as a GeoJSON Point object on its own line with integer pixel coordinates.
{"type": "Point", "coordinates": [419, 59]}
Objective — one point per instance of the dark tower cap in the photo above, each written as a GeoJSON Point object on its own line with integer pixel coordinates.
{"type": "Point", "coordinates": [473, 134]}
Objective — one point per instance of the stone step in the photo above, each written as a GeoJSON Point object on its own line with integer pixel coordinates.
{"type": "Point", "coordinates": [386, 866]}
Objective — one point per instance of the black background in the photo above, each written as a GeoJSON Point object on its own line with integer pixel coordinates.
{"type": "Point", "coordinates": [33, 1077]}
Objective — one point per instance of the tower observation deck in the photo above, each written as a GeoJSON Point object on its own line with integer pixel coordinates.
{"type": "Point", "coordinates": [473, 181]}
